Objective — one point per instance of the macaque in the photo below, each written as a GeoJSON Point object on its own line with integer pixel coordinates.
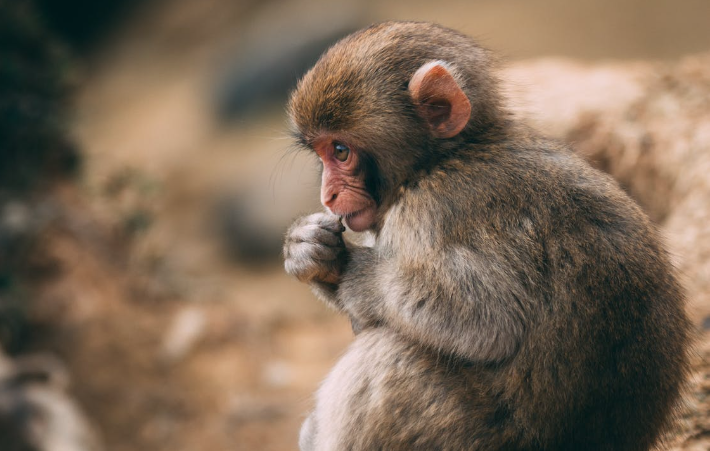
{"type": "Point", "coordinates": [514, 297]}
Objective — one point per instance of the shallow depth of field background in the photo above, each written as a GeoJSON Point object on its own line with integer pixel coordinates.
{"type": "Point", "coordinates": [156, 286]}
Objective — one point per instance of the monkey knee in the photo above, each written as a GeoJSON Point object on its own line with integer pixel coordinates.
{"type": "Point", "coordinates": [374, 382]}
{"type": "Point", "coordinates": [306, 438]}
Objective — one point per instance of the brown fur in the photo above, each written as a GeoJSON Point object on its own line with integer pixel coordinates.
{"type": "Point", "coordinates": [515, 298]}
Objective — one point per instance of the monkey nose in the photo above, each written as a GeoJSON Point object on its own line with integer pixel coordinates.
{"type": "Point", "coordinates": [329, 199]}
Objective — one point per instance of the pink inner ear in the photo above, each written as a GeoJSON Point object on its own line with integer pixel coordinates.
{"type": "Point", "coordinates": [440, 100]}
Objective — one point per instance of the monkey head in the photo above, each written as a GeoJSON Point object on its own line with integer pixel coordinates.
{"type": "Point", "coordinates": [383, 104]}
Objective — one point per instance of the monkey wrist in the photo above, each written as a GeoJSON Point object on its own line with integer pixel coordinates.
{"type": "Point", "coordinates": [326, 292]}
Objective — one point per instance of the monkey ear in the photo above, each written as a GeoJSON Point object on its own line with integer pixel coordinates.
{"type": "Point", "coordinates": [440, 100]}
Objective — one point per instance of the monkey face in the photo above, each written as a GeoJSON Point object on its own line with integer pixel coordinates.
{"type": "Point", "coordinates": [373, 121]}
{"type": "Point", "coordinates": [344, 190]}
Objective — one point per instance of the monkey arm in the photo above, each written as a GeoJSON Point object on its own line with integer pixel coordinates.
{"type": "Point", "coordinates": [328, 293]}
{"type": "Point", "coordinates": [458, 302]}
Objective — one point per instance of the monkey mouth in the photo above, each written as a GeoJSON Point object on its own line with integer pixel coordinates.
{"type": "Point", "coordinates": [360, 220]}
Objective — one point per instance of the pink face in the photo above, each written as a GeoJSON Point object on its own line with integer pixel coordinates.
{"type": "Point", "coordinates": [343, 189]}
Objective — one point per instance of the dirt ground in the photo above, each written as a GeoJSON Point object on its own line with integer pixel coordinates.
{"type": "Point", "coordinates": [170, 344]}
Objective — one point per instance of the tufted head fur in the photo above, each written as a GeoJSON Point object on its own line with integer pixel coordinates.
{"type": "Point", "coordinates": [360, 87]}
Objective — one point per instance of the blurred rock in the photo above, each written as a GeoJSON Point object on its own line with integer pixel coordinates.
{"type": "Point", "coordinates": [184, 332]}
{"type": "Point", "coordinates": [253, 218]}
{"type": "Point", "coordinates": [250, 236]}
{"type": "Point", "coordinates": [277, 374]}
{"type": "Point", "coordinates": [694, 425]}
{"type": "Point", "coordinates": [36, 413]}
{"type": "Point", "coordinates": [21, 222]}
{"type": "Point", "coordinates": [247, 408]}
{"type": "Point", "coordinates": [22, 219]}
{"type": "Point", "coordinates": [270, 63]}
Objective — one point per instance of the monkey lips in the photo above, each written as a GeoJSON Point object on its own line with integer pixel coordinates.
{"type": "Point", "coordinates": [360, 220]}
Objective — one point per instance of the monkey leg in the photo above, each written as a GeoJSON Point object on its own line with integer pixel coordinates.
{"type": "Point", "coordinates": [389, 393]}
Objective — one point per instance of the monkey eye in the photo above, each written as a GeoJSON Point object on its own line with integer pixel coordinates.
{"type": "Point", "coordinates": [341, 152]}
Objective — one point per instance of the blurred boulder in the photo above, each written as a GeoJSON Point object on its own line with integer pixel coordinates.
{"type": "Point", "coordinates": [252, 218]}
{"type": "Point", "coordinates": [270, 63]}
{"type": "Point", "coordinates": [36, 413]}
{"type": "Point", "coordinates": [21, 221]}
{"type": "Point", "coordinates": [250, 234]}
{"type": "Point", "coordinates": [184, 332]}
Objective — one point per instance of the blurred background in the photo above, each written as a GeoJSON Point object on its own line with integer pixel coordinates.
{"type": "Point", "coordinates": [147, 178]}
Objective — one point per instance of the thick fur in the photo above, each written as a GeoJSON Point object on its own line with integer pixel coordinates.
{"type": "Point", "coordinates": [515, 298]}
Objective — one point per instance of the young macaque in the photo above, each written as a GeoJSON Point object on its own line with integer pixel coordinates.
{"type": "Point", "coordinates": [514, 297]}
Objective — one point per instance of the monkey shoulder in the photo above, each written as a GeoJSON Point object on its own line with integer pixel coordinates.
{"type": "Point", "coordinates": [528, 190]}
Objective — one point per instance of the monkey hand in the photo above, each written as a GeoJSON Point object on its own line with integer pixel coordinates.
{"type": "Point", "coordinates": [314, 250]}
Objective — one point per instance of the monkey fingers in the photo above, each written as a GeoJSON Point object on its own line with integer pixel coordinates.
{"type": "Point", "coordinates": [328, 221]}
{"type": "Point", "coordinates": [315, 233]}
{"type": "Point", "coordinates": [309, 269]}
{"type": "Point", "coordinates": [313, 251]}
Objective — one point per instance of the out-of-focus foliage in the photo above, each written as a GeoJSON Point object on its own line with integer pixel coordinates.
{"type": "Point", "coordinates": [36, 412]}
{"type": "Point", "coordinates": [34, 149]}
{"type": "Point", "coordinates": [33, 71]}
{"type": "Point", "coordinates": [83, 23]}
